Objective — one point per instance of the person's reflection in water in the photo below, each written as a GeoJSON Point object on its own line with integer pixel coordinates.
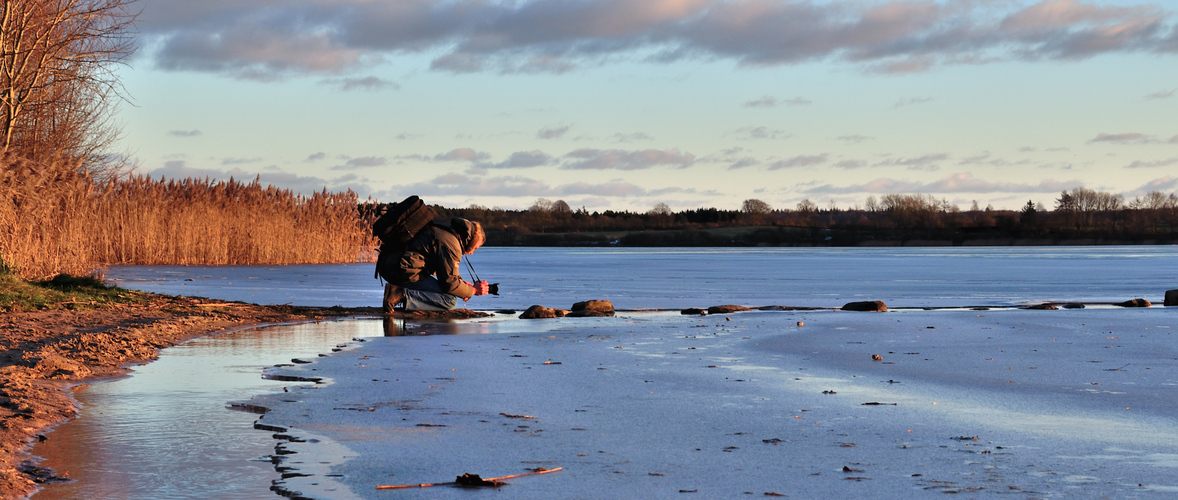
{"type": "Point", "coordinates": [392, 328]}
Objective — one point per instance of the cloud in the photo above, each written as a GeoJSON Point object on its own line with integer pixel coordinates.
{"type": "Point", "coordinates": [851, 164]}
{"type": "Point", "coordinates": [963, 182]}
{"type": "Point", "coordinates": [634, 137]}
{"type": "Point", "coordinates": [362, 162]}
{"type": "Point", "coordinates": [742, 163]}
{"type": "Point", "coordinates": [759, 133]}
{"type": "Point", "coordinates": [854, 138]}
{"type": "Point", "coordinates": [616, 159]}
{"type": "Point", "coordinates": [1152, 164]}
{"type": "Point", "coordinates": [517, 186]}
{"type": "Point", "coordinates": [522, 159]}
{"type": "Point", "coordinates": [986, 158]}
{"type": "Point", "coordinates": [555, 132]}
{"type": "Point", "coordinates": [799, 161]}
{"type": "Point", "coordinates": [265, 39]}
{"type": "Point", "coordinates": [368, 83]}
{"type": "Point", "coordinates": [770, 102]}
{"type": "Point", "coordinates": [239, 161]}
{"type": "Point", "coordinates": [1161, 184]}
{"type": "Point", "coordinates": [1162, 94]}
{"type": "Point", "coordinates": [184, 133]}
{"type": "Point", "coordinates": [911, 101]}
{"type": "Point", "coordinates": [764, 102]}
{"type": "Point", "coordinates": [1126, 138]}
{"type": "Point", "coordinates": [917, 163]}
{"type": "Point", "coordinates": [462, 154]}
{"type": "Point", "coordinates": [316, 156]}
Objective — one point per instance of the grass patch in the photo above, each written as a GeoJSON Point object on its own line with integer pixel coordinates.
{"type": "Point", "coordinates": [61, 292]}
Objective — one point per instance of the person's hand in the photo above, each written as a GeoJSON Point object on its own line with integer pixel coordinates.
{"type": "Point", "coordinates": [481, 288]}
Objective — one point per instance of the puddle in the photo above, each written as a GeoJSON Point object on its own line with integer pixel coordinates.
{"type": "Point", "coordinates": [167, 431]}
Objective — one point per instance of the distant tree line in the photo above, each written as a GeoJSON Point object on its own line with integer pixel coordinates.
{"type": "Point", "coordinates": [1079, 216]}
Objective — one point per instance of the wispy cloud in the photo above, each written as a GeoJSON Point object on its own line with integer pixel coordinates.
{"type": "Point", "coordinates": [911, 101]}
{"type": "Point", "coordinates": [770, 102]}
{"type": "Point", "coordinates": [315, 157]}
{"type": "Point", "coordinates": [239, 161]}
{"type": "Point", "coordinates": [184, 133]}
{"type": "Point", "coordinates": [522, 159]}
{"type": "Point", "coordinates": [553, 132]}
{"type": "Point", "coordinates": [518, 186]}
{"type": "Point", "coordinates": [957, 183]}
{"type": "Point", "coordinates": [632, 137]}
{"type": "Point", "coordinates": [1153, 164]}
{"type": "Point", "coordinates": [1160, 184]}
{"type": "Point", "coordinates": [743, 163]}
{"type": "Point", "coordinates": [764, 102]}
{"type": "Point", "coordinates": [761, 133]}
{"type": "Point", "coordinates": [924, 162]}
{"type": "Point", "coordinates": [1125, 138]}
{"type": "Point", "coordinates": [855, 139]}
{"type": "Point", "coordinates": [1161, 94]}
{"type": "Point", "coordinates": [799, 161]}
{"type": "Point", "coordinates": [616, 159]}
{"type": "Point", "coordinates": [368, 83]}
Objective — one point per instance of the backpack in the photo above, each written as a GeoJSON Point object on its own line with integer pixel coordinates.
{"type": "Point", "coordinates": [398, 225]}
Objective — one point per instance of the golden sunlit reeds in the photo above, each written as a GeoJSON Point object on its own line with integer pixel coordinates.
{"type": "Point", "coordinates": [56, 219]}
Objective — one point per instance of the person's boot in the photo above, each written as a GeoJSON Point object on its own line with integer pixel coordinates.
{"type": "Point", "coordinates": [393, 295]}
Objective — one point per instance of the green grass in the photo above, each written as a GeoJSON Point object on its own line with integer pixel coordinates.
{"type": "Point", "coordinates": [61, 292]}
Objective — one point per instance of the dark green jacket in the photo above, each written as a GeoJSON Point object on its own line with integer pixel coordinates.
{"type": "Point", "coordinates": [438, 250]}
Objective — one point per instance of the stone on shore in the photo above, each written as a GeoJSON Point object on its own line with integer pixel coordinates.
{"type": "Point", "coordinates": [694, 311]}
{"type": "Point", "coordinates": [592, 308]}
{"type": "Point", "coordinates": [727, 309]}
{"type": "Point", "coordinates": [538, 312]}
{"type": "Point", "coordinates": [1044, 306]}
{"type": "Point", "coordinates": [1135, 303]}
{"type": "Point", "coordinates": [1171, 298]}
{"type": "Point", "coordinates": [868, 305]}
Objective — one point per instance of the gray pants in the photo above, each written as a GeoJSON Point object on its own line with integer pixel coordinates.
{"type": "Point", "coordinates": [427, 295]}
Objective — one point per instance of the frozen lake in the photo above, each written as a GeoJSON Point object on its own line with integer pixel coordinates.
{"type": "Point", "coordinates": [674, 278]}
{"type": "Point", "coordinates": [1067, 404]}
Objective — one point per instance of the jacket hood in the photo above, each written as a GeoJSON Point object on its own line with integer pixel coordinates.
{"type": "Point", "coordinates": [466, 231]}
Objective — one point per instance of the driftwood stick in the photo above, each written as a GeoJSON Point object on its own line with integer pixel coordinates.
{"type": "Point", "coordinates": [403, 486]}
{"type": "Point", "coordinates": [533, 473]}
{"type": "Point", "coordinates": [454, 483]}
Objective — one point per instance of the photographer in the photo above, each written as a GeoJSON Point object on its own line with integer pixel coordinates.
{"type": "Point", "coordinates": [427, 275]}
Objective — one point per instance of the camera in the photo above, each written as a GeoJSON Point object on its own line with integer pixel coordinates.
{"type": "Point", "coordinates": [493, 288]}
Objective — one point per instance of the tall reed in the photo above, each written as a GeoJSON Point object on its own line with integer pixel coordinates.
{"type": "Point", "coordinates": [54, 218]}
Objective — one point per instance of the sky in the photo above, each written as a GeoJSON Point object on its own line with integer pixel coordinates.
{"type": "Point", "coordinates": [625, 104]}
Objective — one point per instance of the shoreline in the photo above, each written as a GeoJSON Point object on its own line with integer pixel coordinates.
{"type": "Point", "coordinates": [46, 353]}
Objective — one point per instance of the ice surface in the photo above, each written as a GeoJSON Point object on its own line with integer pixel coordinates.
{"type": "Point", "coordinates": [1064, 404]}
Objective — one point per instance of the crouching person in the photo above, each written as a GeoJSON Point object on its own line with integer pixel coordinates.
{"type": "Point", "coordinates": [427, 276]}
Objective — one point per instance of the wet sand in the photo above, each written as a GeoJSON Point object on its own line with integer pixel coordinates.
{"type": "Point", "coordinates": [999, 403]}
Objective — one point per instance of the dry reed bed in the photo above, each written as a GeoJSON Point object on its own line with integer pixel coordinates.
{"type": "Point", "coordinates": [54, 218]}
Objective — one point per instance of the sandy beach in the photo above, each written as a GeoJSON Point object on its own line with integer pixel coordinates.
{"type": "Point", "coordinates": [1034, 404]}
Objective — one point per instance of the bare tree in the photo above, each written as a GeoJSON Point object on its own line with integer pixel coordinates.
{"type": "Point", "coordinates": [58, 88]}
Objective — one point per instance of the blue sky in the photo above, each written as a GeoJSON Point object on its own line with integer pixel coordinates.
{"type": "Point", "coordinates": [623, 104]}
